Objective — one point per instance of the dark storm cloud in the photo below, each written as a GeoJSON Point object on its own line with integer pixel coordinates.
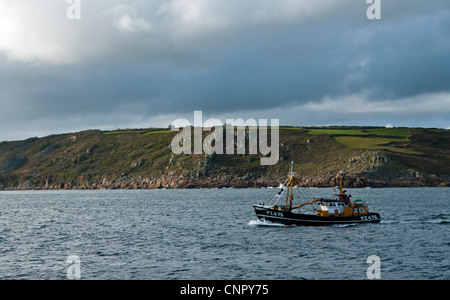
{"type": "Point", "coordinates": [140, 60]}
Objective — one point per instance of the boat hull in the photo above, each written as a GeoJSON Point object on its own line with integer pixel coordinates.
{"type": "Point", "coordinates": [289, 218]}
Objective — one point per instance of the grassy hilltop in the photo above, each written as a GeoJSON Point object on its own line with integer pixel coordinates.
{"type": "Point", "coordinates": [371, 156]}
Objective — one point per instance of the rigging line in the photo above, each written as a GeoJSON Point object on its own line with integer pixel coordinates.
{"type": "Point", "coordinates": [278, 195]}
{"type": "Point", "coordinates": [307, 194]}
{"type": "Point", "coordinates": [282, 189]}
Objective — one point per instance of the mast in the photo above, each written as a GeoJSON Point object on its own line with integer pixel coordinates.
{"type": "Point", "coordinates": [342, 195]}
{"type": "Point", "coordinates": [289, 195]}
{"type": "Point", "coordinates": [341, 192]}
{"type": "Point", "coordinates": [290, 186]}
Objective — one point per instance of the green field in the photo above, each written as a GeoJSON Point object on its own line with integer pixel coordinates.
{"type": "Point", "coordinates": [354, 142]}
{"type": "Point", "coordinates": [389, 132]}
{"type": "Point", "coordinates": [124, 131]}
{"type": "Point", "coordinates": [370, 138]}
{"type": "Point", "coordinates": [392, 132]}
{"type": "Point", "coordinates": [137, 131]}
{"type": "Point", "coordinates": [336, 131]}
{"type": "Point", "coordinates": [158, 131]}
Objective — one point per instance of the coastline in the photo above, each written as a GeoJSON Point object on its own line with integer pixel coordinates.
{"type": "Point", "coordinates": [142, 159]}
{"type": "Point", "coordinates": [189, 181]}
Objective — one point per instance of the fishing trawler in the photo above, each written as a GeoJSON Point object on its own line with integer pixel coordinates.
{"type": "Point", "coordinates": [339, 210]}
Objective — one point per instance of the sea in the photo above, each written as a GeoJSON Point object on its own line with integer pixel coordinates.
{"type": "Point", "coordinates": [213, 234]}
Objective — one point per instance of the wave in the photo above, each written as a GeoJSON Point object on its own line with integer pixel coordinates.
{"type": "Point", "coordinates": [439, 221]}
{"type": "Point", "coordinates": [417, 221]}
{"type": "Point", "coordinates": [344, 225]}
{"type": "Point", "coordinates": [389, 221]}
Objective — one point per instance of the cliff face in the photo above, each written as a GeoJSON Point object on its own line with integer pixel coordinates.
{"type": "Point", "coordinates": [184, 181]}
{"type": "Point", "coordinates": [142, 159]}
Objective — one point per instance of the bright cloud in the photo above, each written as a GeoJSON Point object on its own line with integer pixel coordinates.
{"type": "Point", "coordinates": [126, 19]}
{"type": "Point", "coordinates": [362, 103]}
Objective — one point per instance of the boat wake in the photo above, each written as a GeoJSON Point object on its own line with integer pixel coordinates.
{"type": "Point", "coordinates": [344, 225]}
{"type": "Point", "coordinates": [438, 221]}
{"type": "Point", "coordinates": [258, 222]}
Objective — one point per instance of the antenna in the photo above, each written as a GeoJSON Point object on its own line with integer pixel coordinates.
{"type": "Point", "coordinates": [341, 174]}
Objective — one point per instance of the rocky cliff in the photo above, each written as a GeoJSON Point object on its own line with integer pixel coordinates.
{"type": "Point", "coordinates": [142, 159]}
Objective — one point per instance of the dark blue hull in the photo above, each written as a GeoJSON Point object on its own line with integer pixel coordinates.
{"type": "Point", "coordinates": [289, 218]}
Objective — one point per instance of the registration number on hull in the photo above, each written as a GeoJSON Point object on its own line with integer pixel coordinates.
{"type": "Point", "coordinates": [368, 218]}
{"type": "Point", "coordinates": [275, 213]}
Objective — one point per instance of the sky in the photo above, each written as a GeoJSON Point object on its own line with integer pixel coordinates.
{"type": "Point", "coordinates": [146, 63]}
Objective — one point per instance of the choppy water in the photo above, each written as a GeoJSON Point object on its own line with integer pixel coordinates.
{"type": "Point", "coordinates": [214, 234]}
